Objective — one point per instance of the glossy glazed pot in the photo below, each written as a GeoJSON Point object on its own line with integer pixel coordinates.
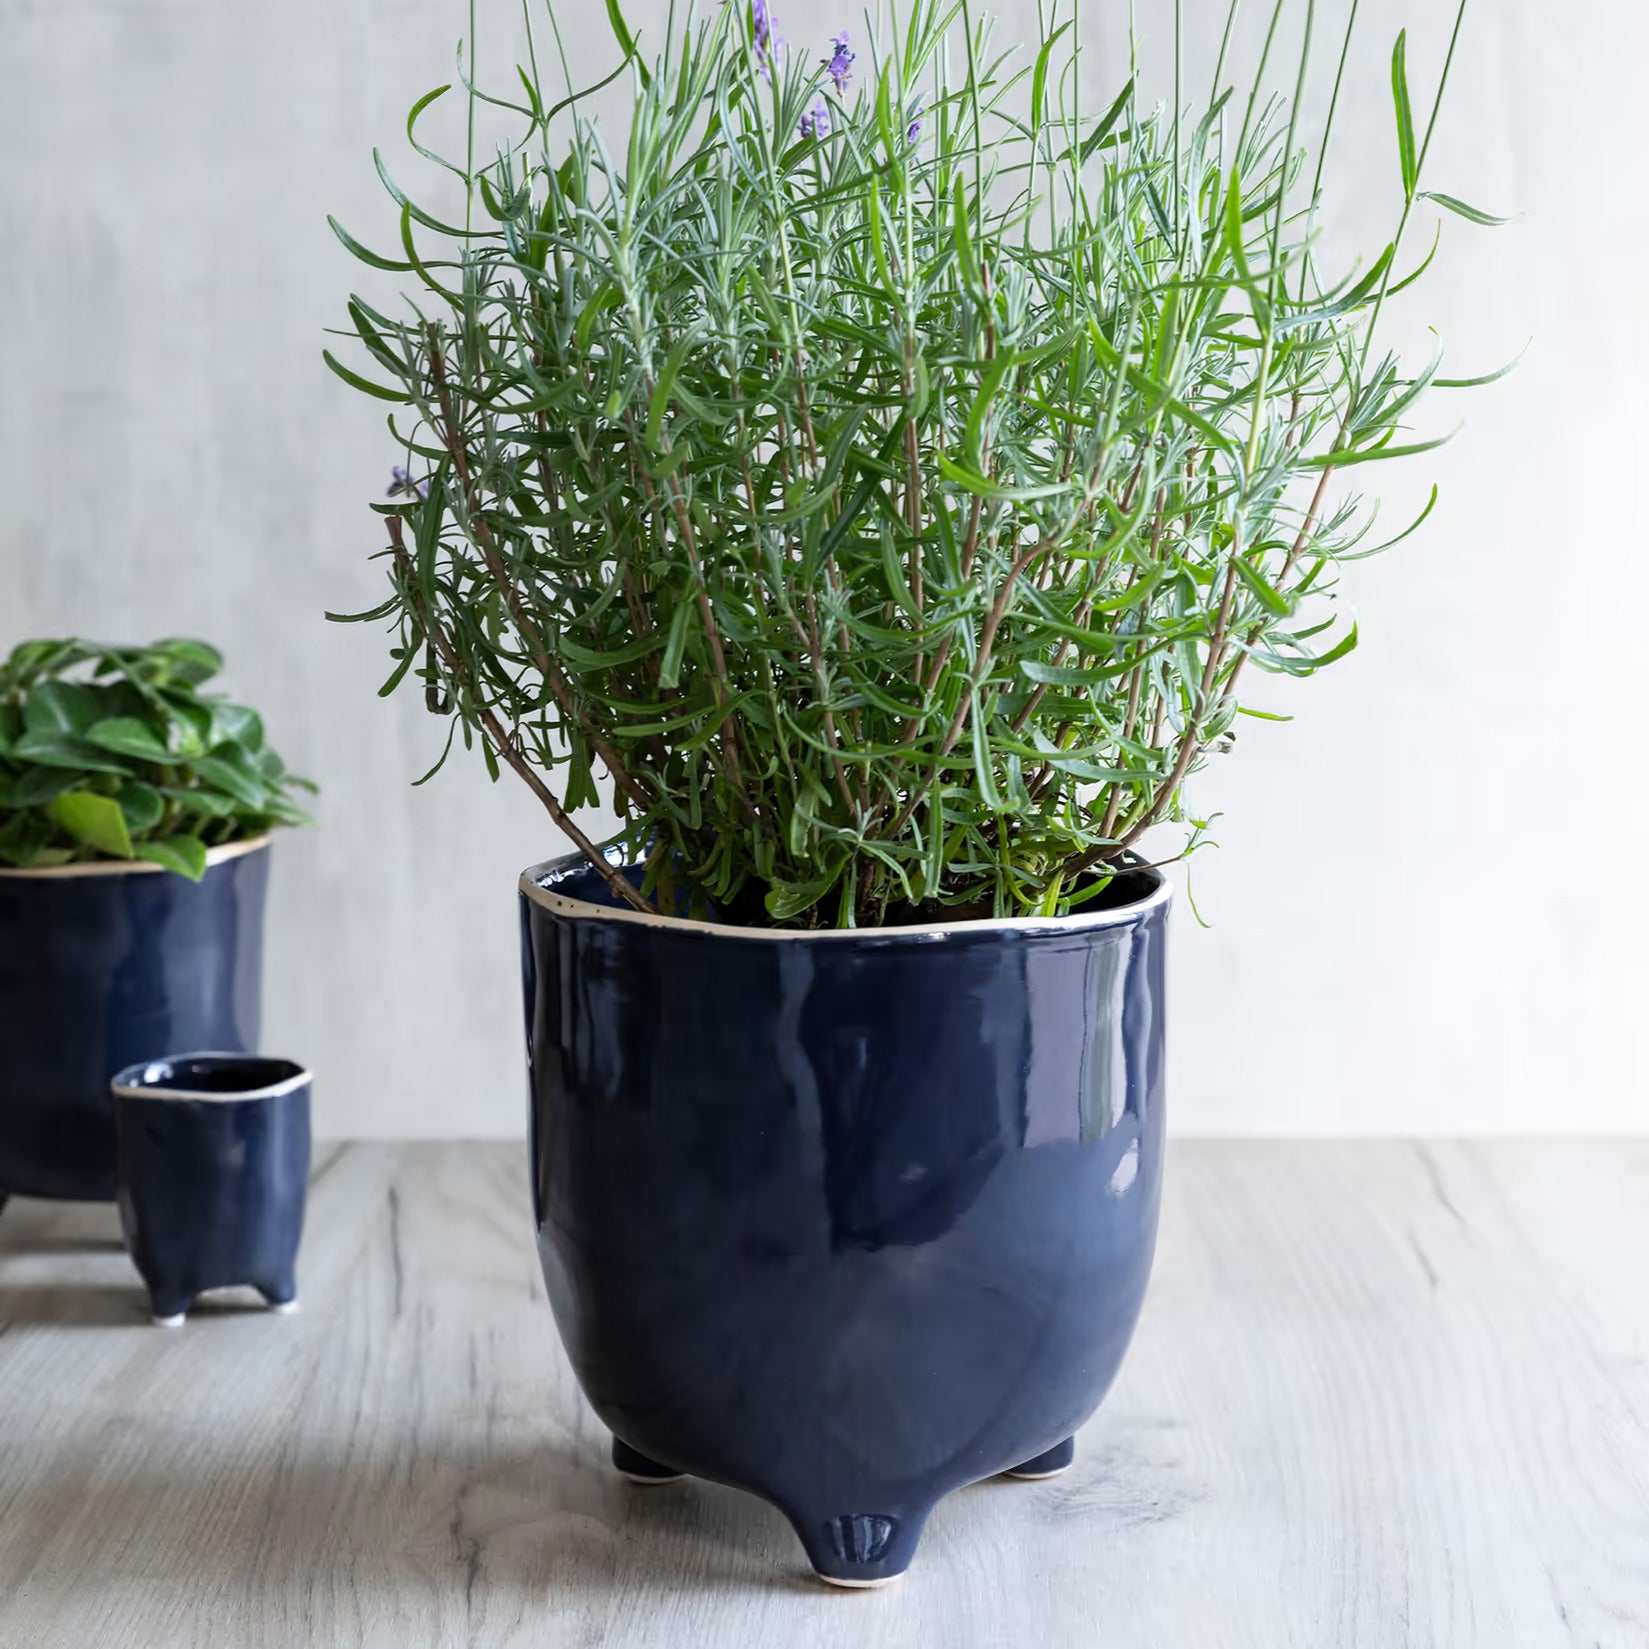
{"type": "Point", "coordinates": [848, 1220]}
{"type": "Point", "coordinates": [213, 1154]}
{"type": "Point", "coordinates": [103, 966]}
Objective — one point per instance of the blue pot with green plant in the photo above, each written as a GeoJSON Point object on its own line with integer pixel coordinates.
{"type": "Point", "coordinates": [135, 817]}
{"type": "Point", "coordinates": [885, 479]}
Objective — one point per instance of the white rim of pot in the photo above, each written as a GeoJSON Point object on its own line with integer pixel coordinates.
{"type": "Point", "coordinates": [1077, 922]}
{"type": "Point", "coordinates": [134, 867]}
{"type": "Point", "coordinates": [287, 1085]}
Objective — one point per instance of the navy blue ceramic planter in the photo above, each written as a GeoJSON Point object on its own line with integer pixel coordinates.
{"type": "Point", "coordinates": [848, 1220]}
{"type": "Point", "coordinates": [101, 966]}
{"type": "Point", "coordinates": [213, 1167]}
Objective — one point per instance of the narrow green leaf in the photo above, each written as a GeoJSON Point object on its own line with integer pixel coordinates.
{"type": "Point", "coordinates": [1039, 78]}
{"type": "Point", "coordinates": [576, 656]}
{"type": "Point", "coordinates": [626, 41]}
{"type": "Point", "coordinates": [1405, 115]}
{"type": "Point", "coordinates": [1346, 644]}
{"type": "Point", "coordinates": [353, 246]}
{"type": "Point", "coordinates": [1487, 378]}
{"type": "Point", "coordinates": [1372, 455]}
{"type": "Point", "coordinates": [1273, 600]}
{"type": "Point", "coordinates": [971, 481]}
{"type": "Point", "coordinates": [1472, 214]}
{"type": "Point", "coordinates": [1106, 122]}
{"type": "Point", "coordinates": [660, 401]}
{"type": "Point", "coordinates": [669, 672]}
{"type": "Point", "coordinates": [366, 386]}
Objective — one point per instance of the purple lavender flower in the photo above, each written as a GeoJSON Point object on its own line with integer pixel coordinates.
{"type": "Point", "coordinates": [767, 43]}
{"type": "Point", "coordinates": [816, 122]}
{"type": "Point", "coordinates": [913, 133]}
{"type": "Point", "coordinates": [400, 481]}
{"type": "Point", "coordinates": [840, 67]}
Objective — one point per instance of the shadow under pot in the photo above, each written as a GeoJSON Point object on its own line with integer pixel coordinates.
{"type": "Point", "coordinates": [213, 1168]}
{"type": "Point", "coordinates": [846, 1219]}
{"type": "Point", "coordinates": [104, 965]}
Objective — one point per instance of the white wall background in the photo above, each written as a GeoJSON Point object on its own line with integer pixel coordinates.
{"type": "Point", "coordinates": [1430, 900]}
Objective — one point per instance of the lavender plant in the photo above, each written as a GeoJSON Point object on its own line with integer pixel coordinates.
{"type": "Point", "coordinates": [883, 470]}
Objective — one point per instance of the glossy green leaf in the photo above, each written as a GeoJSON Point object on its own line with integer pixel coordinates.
{"type": "Point", "coordinates": [234, 778]}
{"type": "Point", "coordinates": [193, 661]}
{"type": "Point", "coordinates": [142, 805]}
{"type": "Point", "coordinates": [57, 709]}
{"type": "Point", "coordinates": [52, 750]}
{"type": "Point", "coordinates": [35, 785]}
{"type": "Point", "coordinates": [235, 724]}
{"type": "Point", "coordinates": [208, 804]}
{"type": "Point", "coordinates": [94, 821]}
{"type": "Point", "coordinates": [126, 736]}
{"type": "Point", "coordinates": [186, 855]}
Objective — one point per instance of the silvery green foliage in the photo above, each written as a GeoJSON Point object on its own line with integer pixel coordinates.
{"type": "Point", "coordinates": [887, 470]}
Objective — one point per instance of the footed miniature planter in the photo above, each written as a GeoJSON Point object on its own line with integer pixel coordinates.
{"type": "Point", "coordinates": [848, 1219]}
{"type": "Point", "coordinates": [214, 1165]}
{"type": "Point", "coordinates": [105, 964]}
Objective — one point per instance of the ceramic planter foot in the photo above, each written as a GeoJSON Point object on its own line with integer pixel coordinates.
{"type": "Point", "coordinates": [1050, 1464]}
{"type": "Point", "coordinates": [281, 1294]}
{"type": "Point", "coordinates": [860, 1549]}
{"type": "Point", "coordinates": [170, 1314]}
{"type": "Point", "coordinates": [636, 1466]}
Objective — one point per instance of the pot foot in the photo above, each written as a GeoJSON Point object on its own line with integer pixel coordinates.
{"type": "Point", "coordinates": [281, 1297]}
{"type": "Point", "coordinates": [5, 1197]}
{"type": "Point", "coordinates": [860, 1550]}
{"type": "Point", "coordinates": [1049, 1464]}
{"type": "Point", "coordinates": [169, 1315]}
{"type": "Point", "coordinates": [638, 1468]}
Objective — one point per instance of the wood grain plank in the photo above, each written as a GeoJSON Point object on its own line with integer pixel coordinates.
{"type": "Point", "coordinates": [1383, 1394]}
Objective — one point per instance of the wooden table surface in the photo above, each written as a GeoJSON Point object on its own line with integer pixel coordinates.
{"type": "Point", "coordinates": [1390, 1394]}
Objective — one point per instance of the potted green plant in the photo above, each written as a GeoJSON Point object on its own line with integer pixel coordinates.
{"type": "Point", "coordinates": [135, 812]}
{"type": "Point", "coordinates": [882, 476]}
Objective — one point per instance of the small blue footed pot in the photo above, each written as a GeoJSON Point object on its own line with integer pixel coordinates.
{"type": "Point", "coordinates": [103, 965]}
{"type": "Point", "coordinates": [213, 1166]}
{"type": "Point", "coordinates": [845, 1219]}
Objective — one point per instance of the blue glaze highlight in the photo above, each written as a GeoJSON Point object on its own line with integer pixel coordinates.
{"type": "Point", "coordinates": [213, 1170]}
{"type": "Point", "coordinates": [98, 971]}
{"type": "Point", "coordinates": [846, 1220]}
